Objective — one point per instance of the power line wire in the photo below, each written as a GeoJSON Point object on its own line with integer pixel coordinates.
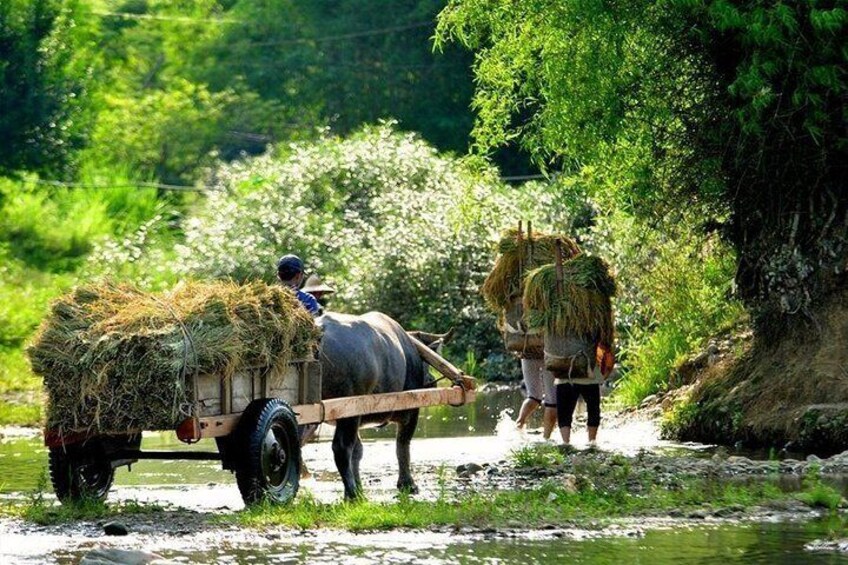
{"type": "Point", "coordinates": [291, 41]}
{"type": "Point", "coordinates": [526, 177]}
{"type": "Point", "coordinates": [180, 19]}
{"type": "Point", "coordinates": [202, 188]}
{"type": "Point", "coordinates": [159, 186]}
{"type": "Point", "coordinates": [352, 35]}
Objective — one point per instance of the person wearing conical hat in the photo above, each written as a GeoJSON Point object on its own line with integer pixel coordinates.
{"type": "Point", "coordinates": [317, 288]}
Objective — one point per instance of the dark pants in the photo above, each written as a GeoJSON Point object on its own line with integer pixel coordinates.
{"type": "Point", "coordinates": [567, 395]}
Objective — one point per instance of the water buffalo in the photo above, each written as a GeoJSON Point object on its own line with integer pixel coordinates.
{"type": "Point", "coordinates": [371, 354]}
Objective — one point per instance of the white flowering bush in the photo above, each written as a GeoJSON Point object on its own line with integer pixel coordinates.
{"type": "Point", "coordinates": [391, 223]}
{"type": "Point", "coordinates": [397, 227]}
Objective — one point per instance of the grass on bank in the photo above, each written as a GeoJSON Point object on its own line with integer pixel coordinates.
{"type": "Point", "coordinates": [601, 492]}
{"type": "Point", "coordinates": [689, 292]}
{"type": "Point", "coordinates": [549, 504]}
{"type": "Point", "coordinates": [40, 508]}
{"type": "Point", "coordinates": [596, 491]}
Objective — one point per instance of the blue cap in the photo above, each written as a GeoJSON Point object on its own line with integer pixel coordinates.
{"type": "Point", "coordinates": [288, 266]}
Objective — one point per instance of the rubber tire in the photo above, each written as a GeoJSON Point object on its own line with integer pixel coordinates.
{"type": "Point", "coordinates": [269, 466]}
{"type": "Point", "coordinates": [79, 474]}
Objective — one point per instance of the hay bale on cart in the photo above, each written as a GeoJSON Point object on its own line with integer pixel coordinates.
{"type": "Point", "coordinates": [116, 360]}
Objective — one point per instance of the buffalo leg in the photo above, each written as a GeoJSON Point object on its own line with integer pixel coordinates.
{"type": "Point", "coordinates": [306, 433]}
{"type": "Point", "coordinates": [344, 441]}
{"type": "Point", "coordinates": [405, 429]}
{"type": "Point", "coordinates": [356, 458]}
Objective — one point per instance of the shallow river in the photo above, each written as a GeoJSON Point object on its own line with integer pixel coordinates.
{"type": "Point", "coordinates": [446, 437]}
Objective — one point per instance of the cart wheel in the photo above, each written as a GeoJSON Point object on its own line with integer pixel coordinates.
{"type": "Point", "coordinates": [270, 465]}
{"type": "Point", "coordinates": [77, 475]}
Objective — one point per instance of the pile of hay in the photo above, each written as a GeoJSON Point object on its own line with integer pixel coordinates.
{"type": "Point", "coordinates": [114, 358]}
{"type": "Point", "coordinates": [583, 308]}
{"type": "Point", "coordinates": [518, 255]}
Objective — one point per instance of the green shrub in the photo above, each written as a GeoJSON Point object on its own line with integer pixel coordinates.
{"type": "Point", "coordinates": [390, 222]}
{"type": "Point", "coordinates": [542, 455]}
{"type": "Point", "coordinates": [46, 235]}
{"type": "Point", "coordinates": [675, 287]}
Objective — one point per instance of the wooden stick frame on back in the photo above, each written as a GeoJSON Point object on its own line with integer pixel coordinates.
{"type": "Point", "coordinates": [566, 355]}
{"type": "Point", "coordinates": [517, 338]}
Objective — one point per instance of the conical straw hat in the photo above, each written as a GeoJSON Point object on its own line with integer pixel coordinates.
{"type": "Point", "coordinates": [314, 284]}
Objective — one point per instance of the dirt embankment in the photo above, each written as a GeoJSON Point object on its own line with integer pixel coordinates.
{"type": "Point", "coordinates": [788, 393]}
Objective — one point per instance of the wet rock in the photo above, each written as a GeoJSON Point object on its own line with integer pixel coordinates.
{"type": "Point", "coordinates": [473, 468]}
{"type": "Point", "coordinates": [728, 511]}
{"type": "Point", "coordinates": [838, 546]}
{"type": "Point", "coordinates": [115, 529]}
{"type": "Point", "coordinates": [688, 370]}
{"type": "Point", "coordinates": [841, 457]}
{"type": "Point", "coordinates": [813, 459]}
{"type": "Point", "coordinates": [697, 515]}
{"type": "Point", "coordinates": [468, 470]}
{"type": "Point", "coordinates": [110, 556]}
{"type": "Point", "coordinates": [648, 401]}
{"type": "Point", "coordinates": [720, 454]}
{"type": "Point", "coordinates": [569, 483]}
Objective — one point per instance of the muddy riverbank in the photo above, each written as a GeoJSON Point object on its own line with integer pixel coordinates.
{"type": "Point", "coordinates": [198, 530]}
{"type": "Point", "coordinates": [487, 492]}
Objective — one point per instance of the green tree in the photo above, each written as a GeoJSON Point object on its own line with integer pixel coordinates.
{"type": "Point", "coordinates": [733, 108]}
{"type": "Point", "coordinates": [44, 76]}
{"type": "Point", "coordinates": [351, 61]}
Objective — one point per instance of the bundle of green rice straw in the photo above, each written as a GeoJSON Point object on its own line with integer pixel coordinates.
{"type": "Point", "coordinates": [517, 255]}
{"type": "Point", "coordinates": [582, 308]}
{"type": "Point", "coordinates": [114, 358]}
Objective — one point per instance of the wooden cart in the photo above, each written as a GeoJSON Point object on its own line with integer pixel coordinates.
{"type": "Point", "coordinates": [254, 418]}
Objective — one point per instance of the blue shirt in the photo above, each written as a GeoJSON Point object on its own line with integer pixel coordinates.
{"type": "Point", "coordinates": [309, 302]}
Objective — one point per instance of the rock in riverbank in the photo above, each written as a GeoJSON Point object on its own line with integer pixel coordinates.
{"type": "Point", "coordinates": [646, 469]}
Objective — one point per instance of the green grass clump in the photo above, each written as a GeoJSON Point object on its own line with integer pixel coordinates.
{"type": "Point", "coordinates": [549, 503]}
{"type": "Point", "coordinates": [39, 509]}
{"type": "Point", "coordinates": [115, 358]}
{"type": "Point", "coordinates": [821, 496]}
{"type": "Point", "coordinates": [20, 413]}
{"type": "Point", "coordinates": [687, 290]}
{"type": "Point", "coordinates": [580, 306]}
{"type": "Point", "coordinates": [45, 513]}
{"type": "Point", "coordinates": [539, 455]}
{"type": "Point", "coordinates": [817, 494]}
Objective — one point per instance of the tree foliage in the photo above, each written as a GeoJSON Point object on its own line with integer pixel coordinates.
{"type": "Point", "coordinates": [267, 72]}
{"type": "Point", "coordinates": [44, 76]}
{"type": "Point", "coordinates": [735, 108]}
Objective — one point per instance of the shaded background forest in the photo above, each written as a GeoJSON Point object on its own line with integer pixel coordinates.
{"type": "Point", "coordinates": [700, 148]}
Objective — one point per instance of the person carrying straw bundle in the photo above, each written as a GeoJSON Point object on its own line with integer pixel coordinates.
{"type": "Point", "coordinates": [502, 290]}
{"type": "Point", "coordinates": [570, 301]}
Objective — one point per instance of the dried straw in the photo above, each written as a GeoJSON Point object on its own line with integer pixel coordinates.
{"type": "Point", "coordinates": [519, 254]}
{"type": "Point", "coordinates": [583, 307]}
{"type": "Point", "coordinates": [114, 358]}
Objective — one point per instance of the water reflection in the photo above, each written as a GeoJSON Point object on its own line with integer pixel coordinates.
{"type": "Point", "coordinates": [772, 543]}
{"type": "Point", "coordinates": [23, 460]}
